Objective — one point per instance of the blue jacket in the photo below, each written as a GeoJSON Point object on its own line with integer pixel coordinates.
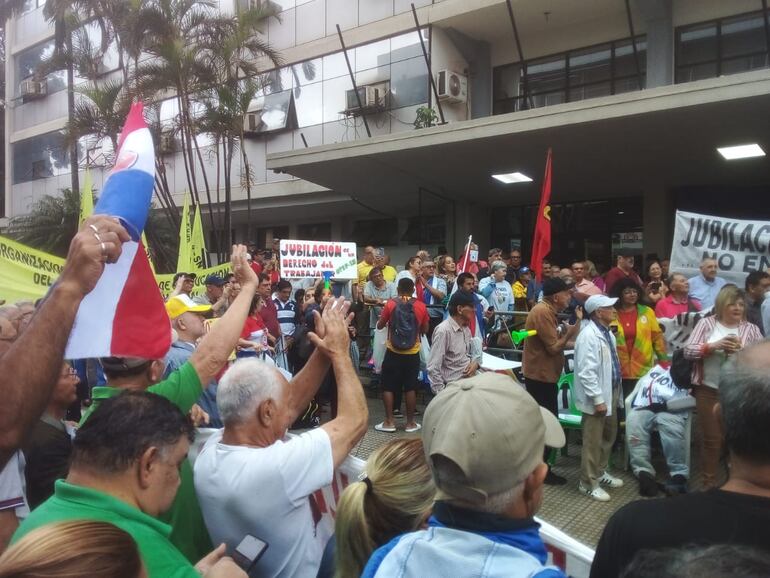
{"type": "Point", "coordinates": [176, 357]}
{"type": "Point", "coordinates": [463, 543]}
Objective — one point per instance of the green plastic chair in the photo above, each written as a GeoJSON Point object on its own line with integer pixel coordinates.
{"type": "Point", "coordinates": [570, 419]}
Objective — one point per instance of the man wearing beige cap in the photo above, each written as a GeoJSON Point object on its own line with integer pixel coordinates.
{"type": "Point", "coordinates": [484, 438]}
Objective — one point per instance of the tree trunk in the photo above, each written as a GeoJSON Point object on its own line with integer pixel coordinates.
{"type": "Point", "coordinates": [74, 166]}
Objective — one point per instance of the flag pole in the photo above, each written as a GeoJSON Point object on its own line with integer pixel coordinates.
{"type": "Point", "coordinates": [467, 251]}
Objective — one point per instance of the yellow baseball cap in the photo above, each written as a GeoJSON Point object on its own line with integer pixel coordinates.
{"type": "Point", "coordinates": [182, 304]}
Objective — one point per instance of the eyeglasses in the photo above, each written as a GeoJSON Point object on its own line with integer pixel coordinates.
{"type": "Point", "coordinates": [69, 372]}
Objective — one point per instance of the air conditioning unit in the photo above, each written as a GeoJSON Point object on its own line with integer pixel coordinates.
{"type": "Point", "coordinates": [373, 96]}
{"type": "Point", "coordinates": [32, 89]}
{"type": "Point", "coordinates": [252, 122]}
{"type": "Point", "coordinates": [167, 143]}
{"type": "Point", "coordinates": [452, 86]}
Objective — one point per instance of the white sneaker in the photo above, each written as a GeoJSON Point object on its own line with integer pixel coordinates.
{"type": "Point", "coordinates": [610, 481]}
{"type": "Point", "coordinates": [597, 493]}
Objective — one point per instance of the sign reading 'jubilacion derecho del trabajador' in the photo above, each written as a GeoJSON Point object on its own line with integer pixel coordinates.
{"type": "Point", "coordinates": [300, 259]}
{"type": "Point", "coordinates": [739, 246]}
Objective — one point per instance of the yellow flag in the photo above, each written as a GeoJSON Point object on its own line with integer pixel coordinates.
{"type": "Point", "coordinates": [183, 263]}
{"type": "Point", "coordinates": [147, 250]}
{"type": "Point", "coordinates": [197, 243]}
{"type": "Point", "coordinates": [86, 198]}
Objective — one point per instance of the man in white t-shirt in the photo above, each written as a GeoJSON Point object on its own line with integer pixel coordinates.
{"type": "Point", "coordinates": [253, 479]}
{"type": "Point", "coordinates": [13, 498]}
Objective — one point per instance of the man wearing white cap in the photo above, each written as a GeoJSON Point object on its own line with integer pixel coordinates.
{"type": "Point", "coordinates": [597, 392]}
{"type": "Point", "coordinates": [484, 438]}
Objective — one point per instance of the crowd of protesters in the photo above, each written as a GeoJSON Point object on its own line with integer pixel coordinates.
{"type": "Point", "coordinates": [102, 474]}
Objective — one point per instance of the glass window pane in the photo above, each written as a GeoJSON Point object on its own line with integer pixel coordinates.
{"type": "Point", "coordinates": [334, 64]}
{"type": "Point", "coordinates": [373, 75]}
{"type": "Point", "coordinates": [696, 72]}
{"type": "Point", "coordinates": [743, 36]}
{"type": "Point", "coordinates": [372, 10]}
{"type": "Point", "coordinates": [625, 64]}
{"type": "Point", "coordinates": [311, 21]}
{"type": "Point", "coordinates": [27, 63]}
{"type": "Point", "coordinates": [546, 75]}
{"type": "Point", "coordinates": [307, 72]}
{"type": "Point", "coordinates": [408, 82]}
{"type": "Point", "coordinates": [407, 45]}
{"type": "Point", "coordinates": [283, 4]}
{"type": "Point", "coordinates": [590, 65]}
{"type": "Point", "coordinates": [506, 81]}
{"type": "Point", "coordinates": [40, 157]}
{"type": "Point", "coordinates": [278, 80]}
{"type": "Point", "coordinates": [275, 111]}
{"type": "Point", "coordinates": [309, 104]}
{"type": "Point", "coordinates": [697, 44]}
{"type": "Point", "coordinates": [334, 99]}
{"type": "Point", "coordinates": [590, 91]}
{"type": "Point", "coordinates": [373, 55]}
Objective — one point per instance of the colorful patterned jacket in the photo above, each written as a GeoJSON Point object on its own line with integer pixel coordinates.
{"type": "Point", "coordinates": [648, 344]}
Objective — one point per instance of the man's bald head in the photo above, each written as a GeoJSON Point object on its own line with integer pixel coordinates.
{"type": "Point", "coordinates": [744, 397]}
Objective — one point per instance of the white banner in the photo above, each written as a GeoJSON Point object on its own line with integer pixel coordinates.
{"type": "Point", "coordinates": [739, 246]}
{"type": "Point", "coordinates": [300, 259]}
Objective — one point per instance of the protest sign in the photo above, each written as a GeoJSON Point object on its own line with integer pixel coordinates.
{"type": "Point", "coordinates": [26, 273]}
{"type": "Point", "coordinates": [739, 246]}
{"type": "Point", "coordinates": [299, 259]}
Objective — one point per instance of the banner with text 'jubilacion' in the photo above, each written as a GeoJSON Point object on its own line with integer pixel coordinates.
{"type": "Point", "coordinates": [739, 246]}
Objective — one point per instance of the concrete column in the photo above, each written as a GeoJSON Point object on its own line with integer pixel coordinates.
{"type": "Point", "coordinates": [464, 220]}
{"type": "Point", "coordinates": [659, 22]}
{"type": "Point", "coordinates": [658, 222]}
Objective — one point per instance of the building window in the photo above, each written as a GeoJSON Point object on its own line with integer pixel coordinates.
{"type": "Point", "coordinates": [375, 232]}
{"type": "Point", "coordinates": [315, 231]}
{"type": "Point", "coordinates": [28, 61]}
{"type": "Point", "coordinates": [39, 157]}
{"type": "Point", "coordinates": [724, 46]}
{"type": "Point", "coordinates": [570, 76]}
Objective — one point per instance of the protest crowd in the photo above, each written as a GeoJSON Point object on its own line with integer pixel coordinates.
{"type": "Point", "coordinates": [183, 465]}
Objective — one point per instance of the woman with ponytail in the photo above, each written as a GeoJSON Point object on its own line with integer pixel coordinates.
{"type": "Point", "coordinates": [394, 496]}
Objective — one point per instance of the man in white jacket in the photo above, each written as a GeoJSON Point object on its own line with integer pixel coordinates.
{"type": "Point", "coordinates": [597, 392]}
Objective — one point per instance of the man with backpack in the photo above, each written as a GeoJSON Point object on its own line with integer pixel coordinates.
{"type": "Point", "coordinates": [407, 320]}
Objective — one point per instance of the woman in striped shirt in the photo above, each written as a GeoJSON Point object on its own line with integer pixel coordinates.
{"type": "Point", "coordinates": [712, 341]}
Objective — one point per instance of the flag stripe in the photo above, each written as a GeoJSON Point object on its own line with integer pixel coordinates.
{"type": "Point", "coordinates": [92, 333]}
{"type": "Point", "coordinates": [141, 308]}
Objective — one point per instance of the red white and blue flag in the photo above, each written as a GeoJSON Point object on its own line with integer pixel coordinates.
{"type": "Point", "coordinates": [124, 316]}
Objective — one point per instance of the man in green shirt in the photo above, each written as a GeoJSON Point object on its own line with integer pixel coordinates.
{"type": "Point", "coordinates": [183, 388]}
{"type": "Point", "coordinates": [125, 470]}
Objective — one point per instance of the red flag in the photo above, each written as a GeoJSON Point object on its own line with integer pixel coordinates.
{"type": "Point", "coordinates": [541, 244]}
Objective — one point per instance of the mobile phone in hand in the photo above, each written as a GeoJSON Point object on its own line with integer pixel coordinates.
{"type": "Point", "coordinates": [248, 552]}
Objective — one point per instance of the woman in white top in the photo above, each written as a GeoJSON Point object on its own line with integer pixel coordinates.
{"type": "Point", "coordinates": [712, 341]}
{"type": "Point", "coordinates": [496, 289]}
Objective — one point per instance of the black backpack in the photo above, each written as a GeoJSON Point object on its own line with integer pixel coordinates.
{"type": "Point", "coordinates": [681, 370]}
{"type": "Point", "coordinates": [403, 324]}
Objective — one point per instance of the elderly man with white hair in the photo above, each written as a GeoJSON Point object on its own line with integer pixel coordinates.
{"type": "Point", "coordinates": [252, 479]}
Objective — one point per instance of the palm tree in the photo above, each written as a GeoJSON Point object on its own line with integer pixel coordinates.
{"type": "Point", "coordinates": [51, 223]}
{"type": "Point", "coordinates": [234, 46]}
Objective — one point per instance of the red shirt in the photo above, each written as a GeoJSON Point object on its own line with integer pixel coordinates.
{"type": "Point", "coordinates": [269, 315]}
{"type": "Point", "coordinates": [252, 325]}
{"type": "Point", "coordinates": [628, 320]}
{"type": "Point", "coordinates": [668, 308]}
{"type": "Point", "coordinates": [616, 274]}
{"type": "Point", "coordinates": [420, 313]}
{"type": "Point", "coordinates": [256, 267]}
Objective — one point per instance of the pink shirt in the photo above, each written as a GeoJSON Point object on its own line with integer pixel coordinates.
{"type": "Point", "coordinates": [669, 307]}
{"type": "Point", "coordinates": [586, 287]}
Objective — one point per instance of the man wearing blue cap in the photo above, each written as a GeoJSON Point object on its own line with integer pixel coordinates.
{"type": "Point", "coordinates": [216, 295]}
